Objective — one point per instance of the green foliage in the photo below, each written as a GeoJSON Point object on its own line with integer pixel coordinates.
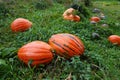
{"type": "Point", "coordinates": [100, 60]}
{"type": "Point", "coordinates": [64, 1]}
{"type": "Point", "coordinates": [83, 12]}
{"type": "Point", "coordinates": [5, 69]}
{"type": "Point", "coordinates": [43, 4]}
{"type": "Point", "coordinates": [87, 3]}
{"type": "Point", "coordinates": [60, 1]}
{"type": "Point", "coordinates": [4, 11]}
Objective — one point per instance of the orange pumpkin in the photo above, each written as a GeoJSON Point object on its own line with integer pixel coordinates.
{"type": "Point", "coordinates": [66, 45]}
{"type": "Point", "coordinates": [72, 18]}
{"type": "Point", "coordinates": [37, 51]}
{"type": "Point", "coordinates": [114, 39]}
{"type": "Point", "coordinates": [68, 12]}
{"type": "Point", "coordinates": [95, 19]}
{"type": "Point", "coordinates": [20, 25]}
{"type": "Point", "coordinates": [68, 15]}
{"type": "Point", "coordinates": [76, 18]}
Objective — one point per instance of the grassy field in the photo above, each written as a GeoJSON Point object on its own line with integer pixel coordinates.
{"type": "Point", "coordinates": [101, 60]}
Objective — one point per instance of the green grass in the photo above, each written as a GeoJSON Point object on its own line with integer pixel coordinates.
{"type": "Point", "coordinates": [100, 61]}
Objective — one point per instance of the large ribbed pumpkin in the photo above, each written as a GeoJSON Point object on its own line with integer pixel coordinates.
{"type": "Point", "coordinates": [20, 25]}
{"type": "Point", "coordinates": [66, 45]}
{"type": "Point", "coordinates": [114, 39]}
{"type": "Point", "coordinates": [37, 51]}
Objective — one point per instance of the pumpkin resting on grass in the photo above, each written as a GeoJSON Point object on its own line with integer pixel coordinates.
{"type": "Point", "coordinates": [66, 45]}
{"type": "Point", "coordinates": [37, 51]}
{"type": "Point", "coordinates": [68, 15]}
{"type": "Point", "coordinates": [114, 39]}
{"type": "Point", "coordinates": [95, 19]}
{"type": "Point", "coordinates": [20, 25]}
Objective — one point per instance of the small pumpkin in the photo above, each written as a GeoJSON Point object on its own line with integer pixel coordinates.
{"type": "Point", "coordinates": [68, 12]}
{"type": "Point", "coordinates": [66, 45]}
{"type": "Point", "coordinates": [20, 25]}
{"type": "Point", "coordinates": [37, 51]}
{"type": "Point", "coordinates": [95, 19]}
{"type": "Point", "coordinates": [76, 18]}
{"type": "Point", "coordinates": [69, 15]}
{"type": "Point", "coordinates": [114, 39]}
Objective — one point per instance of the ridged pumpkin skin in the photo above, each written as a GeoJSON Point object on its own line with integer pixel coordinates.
{"type": "Point", "coordinates": [37, 51]}
{"type": "Point", "coordinates": [66, 45]}
{"type": "Point", "coordinates": [114, 39]}
{"type": "Point", "coordinates": [76, 18]}
{"type": "Point", "coordinates": [95, 19]}
{"type": "Point", "coordinates": [68, 12]}
{"type": "Point", "coordinates": [68, 15]}
{"type": "Point", "coordinates": [20, 25]}
{"type": "Point", "coordinates": [72, 18]}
